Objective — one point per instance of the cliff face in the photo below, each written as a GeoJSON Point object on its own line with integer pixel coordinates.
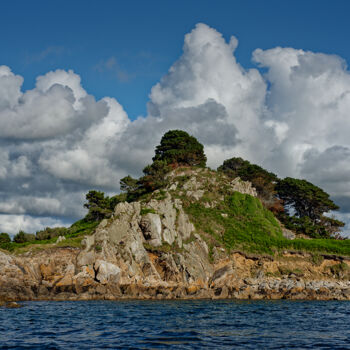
{"type": "Point", "coordinates": [151, 249]}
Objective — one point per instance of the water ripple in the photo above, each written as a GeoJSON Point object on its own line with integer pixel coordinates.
{"type": "Point", "coordinates": [176, 325]}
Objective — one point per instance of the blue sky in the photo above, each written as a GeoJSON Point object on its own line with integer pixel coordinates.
{"type": "Point", "coordinates": [122, 48]}
{"type": "Point", "coordinates": [76, 75]}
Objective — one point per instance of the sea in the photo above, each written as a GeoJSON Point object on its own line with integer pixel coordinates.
{"type": "Point", "coordinates": [199, 324]}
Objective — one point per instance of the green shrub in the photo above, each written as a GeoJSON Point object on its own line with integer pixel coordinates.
{"type": "Point", "coordinates": [317, 259]}
{"type": "Point", "coordinates": [49, 233]}
{"type": "Point", "coordinates": [339, 270]}
{"type": "Point", "coordinates": [4, 238]}
{"type": "Point", "coordinates": [145, 211]}
{"type": "Point", "coordinates": [22, 237]}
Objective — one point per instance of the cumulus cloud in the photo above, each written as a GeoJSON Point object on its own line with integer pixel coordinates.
{"type": "Point", "coordinates": [57, 141]}
{"type": "Point", "coordinates": [14, 223]}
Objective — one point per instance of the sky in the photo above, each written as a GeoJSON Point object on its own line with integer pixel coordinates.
{"type": "Point", "coordinates": [87, 89]}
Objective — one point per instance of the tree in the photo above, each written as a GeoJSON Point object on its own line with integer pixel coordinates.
{"type": "Point", "coordinates": [129, 184]}
{"type": "Point", "coordinates": [155, 175]}
{"type": "Point", "coordinates": [304, 198]}
{"type": "Point", "coordinates": [177, 147]}
{"type": "Point", "coordinates": [22, 237]}
{"type": "Point", "coordinates": [237, 166]}
{"type": "Point", "coordinates": [4, 238]}
{"type": "Point", "coordinates": [305, 206]}
{"type": "Point", "coordinates": [98, 205]}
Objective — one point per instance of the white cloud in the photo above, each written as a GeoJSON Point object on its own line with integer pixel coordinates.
{"type": "Point", "coordinates": [208, 70]}
{"type": "Point", "coordinates": [56, 106]}
{"type": "Point", "coordinates": [61, 77]}
{"type": "Point", "coordinates": [10, 88]}
{"type": "Point", "coordinates": [58, 142]}
{"type": "Point", "coordinates": [14, 223]}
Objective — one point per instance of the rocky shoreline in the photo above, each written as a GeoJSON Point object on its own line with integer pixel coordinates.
{"type": "Point", "coordinates": [51, 275]}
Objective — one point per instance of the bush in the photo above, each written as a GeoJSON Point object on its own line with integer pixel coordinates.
{"type": "Point", "coordinates": [49, 233]}
{"type": "Point", "coordinates": [4, 238]}
{"type": "Point", "coordinates": [22, 237]}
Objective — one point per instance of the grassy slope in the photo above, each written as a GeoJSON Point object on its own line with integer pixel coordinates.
{"type": "Point", "coordinates": [250, 227]}
{"type": "Point", "coordinates": [245, 223]}
{"type": "Point", "coordinates": [74, 236]}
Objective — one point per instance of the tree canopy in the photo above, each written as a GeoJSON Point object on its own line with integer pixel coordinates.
{"type": "Point", "coordinates": [305, 198]}
{"type": "Point", "coordinates": [178, 147]}
{"type": "Point", "coordinates": [246, 171]}
{"type": "Point", "coordinates": [99, 206]}
{"type": "Point", "coordinates": [306, 205]}
{"type": "Point", "coordinates": [22, 237]}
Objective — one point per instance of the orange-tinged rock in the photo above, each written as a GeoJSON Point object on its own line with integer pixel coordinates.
{"type": "Point", "coordinates": [65, 281]}
{"type": "Point", "coordinates": [89, 271]}
{"type": "Point", "coordinates": [46, 271]}
{"type": "Point", "coordinates": [192, 289]}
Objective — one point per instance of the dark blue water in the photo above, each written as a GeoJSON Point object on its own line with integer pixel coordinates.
{"type": "Point", "coordinates": [177, 325]}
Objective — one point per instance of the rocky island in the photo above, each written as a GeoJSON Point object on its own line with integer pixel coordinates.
{"type": "Point", "coordinates": [186, 231]}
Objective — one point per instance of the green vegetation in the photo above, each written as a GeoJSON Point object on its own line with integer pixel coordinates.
{"type": "Point", "coordinates": [164, 248]}
{"type": "Point", "coordinates": [177, 147]}
{"type": "Point", "coordinates": [250, 227]}
{"type": "Point", "coordinates": [317, 259]}
{"type": "Point", "coordinates": [262, 180]}
{"type": "Point", "coordinates": [98, 248]}
{"type": "Point", "coordinates": [305, 198]}
{"type": "Point", "coordinates": [298, 204]}
{"type": "Point", "coordinates": [4, 238]}
{"type": "Point", "coordinates": [234, 167]}
{"type": "Point", "coordinates": [73, 235]}
{"type": "Point", "coordinates": [49, 233]}
{"type": "Point", "coordinates": [99, 206]}
{"type": "Point", "coordinates": [145, 211]}
{"type": "Point", "coordinates": [154, 177]}
{"type": "Point", "coordinates": [340, 270]}
{"type": "Point", "coordinates": [22, 237]}
{"type": "Point", "coordinates": [309, 204]}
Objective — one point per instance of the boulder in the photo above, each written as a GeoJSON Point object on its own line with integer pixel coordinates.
{"type": "Point", "coordinates": [288, 233]}
{"type": "Point", "coordinates": [60, 239]}
{"type": "Point", "coordinates": [106, 272]}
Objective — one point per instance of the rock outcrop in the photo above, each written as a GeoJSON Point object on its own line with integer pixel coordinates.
{"type": "Point", "coordinates": [151, 249]}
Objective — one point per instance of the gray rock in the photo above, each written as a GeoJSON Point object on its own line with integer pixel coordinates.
{"type": "Point", "coordinates": [288, 233]}
{"type": "Point", "coordinates": [60, 239]}
{"type": "Point", "coordinates": [243, 187]}
{"type": "Point", "coordinates": [106, 272]}
{"type": "Point", "coordinates": [88, 242]}
{"type": "Point", "coordinates": [197, 194]}
{"type": "Point", "coordinates": [86, 258]}
{"type": "Point", "coordinates": [184, 226]}
{"type": "Point", "coordinates": [151, 227]}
